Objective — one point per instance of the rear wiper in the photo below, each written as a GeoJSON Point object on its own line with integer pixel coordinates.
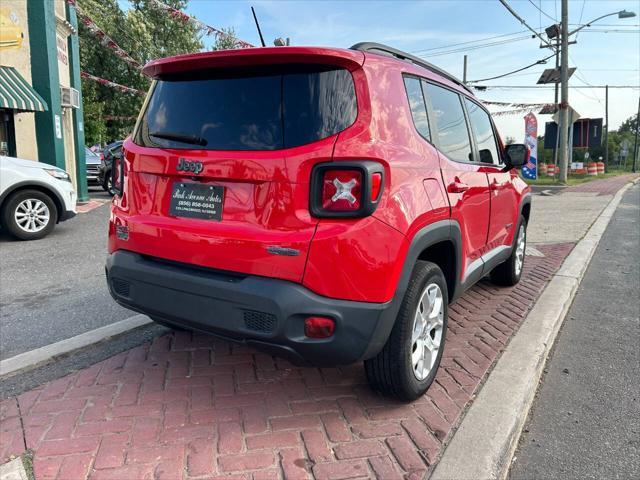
{"type": "Point", "coordinates": [180, 137]}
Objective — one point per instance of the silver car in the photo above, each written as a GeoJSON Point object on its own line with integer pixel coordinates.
{"type": "Point", "coordinates": [93, 166]}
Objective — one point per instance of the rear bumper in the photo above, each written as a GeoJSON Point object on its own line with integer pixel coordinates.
{"type": "Point", "coordinates": [262, 312]}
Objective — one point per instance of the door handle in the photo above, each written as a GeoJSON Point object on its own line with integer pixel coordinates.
{"type": "Point", "coordinates": [457, 187]}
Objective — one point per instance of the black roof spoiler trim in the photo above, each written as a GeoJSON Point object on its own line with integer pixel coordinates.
{"type": "Point", "coordinates": [399, 54]}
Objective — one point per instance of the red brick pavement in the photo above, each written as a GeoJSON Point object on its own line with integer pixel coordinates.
{"type": "Point", "coordinates": [188, 406]}
{"type": "Point", "coordinates": [605, 186]}
{"type": "Point", "coordinates": [90, 205]}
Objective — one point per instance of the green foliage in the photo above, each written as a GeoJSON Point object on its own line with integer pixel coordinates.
{"type": "Point", "coordinates": [630, 125]}
{"type": "Point", "coordinates": [146, 33]}
{"type": "Point", "coordinates": [226, 42]}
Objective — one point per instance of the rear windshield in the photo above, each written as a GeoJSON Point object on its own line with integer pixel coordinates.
{"type": "Point", "coordinates": [256, 110]}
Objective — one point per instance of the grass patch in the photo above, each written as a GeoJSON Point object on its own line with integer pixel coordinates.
{"type": "Point", "coordinates": [574, 179]}
{"type": "Point", "coordinates": [27, 462]}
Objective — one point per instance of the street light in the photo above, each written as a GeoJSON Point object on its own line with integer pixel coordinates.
{"type": "Point", "coordinates": [620, 14]}
{"type": "Point", "coordinates": [564, 81]}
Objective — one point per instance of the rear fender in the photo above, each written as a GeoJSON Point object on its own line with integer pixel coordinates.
{"type": "Point", "coordinates": [437, 232]}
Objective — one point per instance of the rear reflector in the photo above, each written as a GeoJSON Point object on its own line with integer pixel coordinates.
{"type": "Point", "coordinates": [376, 185]}
{"type": "Point", "coordinates": [319, 327]}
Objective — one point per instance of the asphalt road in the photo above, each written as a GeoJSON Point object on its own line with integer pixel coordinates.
{"type": "Point", "coordinates": [585, 421]}
{"type": "Point", "coordinates": [54, 288]}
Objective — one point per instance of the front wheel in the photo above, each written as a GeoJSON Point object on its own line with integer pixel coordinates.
{"type": "Point", "coordinates": [407, 365]}
{"type": "Point", "coordinates": [509, 272]}
{"type": "Point", "coordinates": [29, 214]}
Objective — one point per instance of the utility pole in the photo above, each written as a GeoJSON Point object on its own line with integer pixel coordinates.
{"type": "Point", "coordinates": [555, 100]}
{"type": "Point", "coordinates": [606, 130]}
{"type": "Point", "coordinates": [635, 145]}
{"type": "Point", "coordinates": [464, 71]}
{"type": "Point", "coordinates": [564, 92]}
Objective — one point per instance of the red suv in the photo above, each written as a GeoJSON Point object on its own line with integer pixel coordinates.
{"type": "Point", "coordinates": [320, 204]}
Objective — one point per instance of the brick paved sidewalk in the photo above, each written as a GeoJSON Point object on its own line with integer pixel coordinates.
{"type": "Point", "coordinates": [604, 186]}
{"type": "Point", "coordinates": [188, 406]}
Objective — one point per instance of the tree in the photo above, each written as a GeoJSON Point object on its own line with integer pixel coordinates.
{"type": "Point", "coordinates": [158, 33]}
{"type": "Point", "coordinates": [629, 125]}
{"type": "Point", "coordinates": [509, 140]}
{"type": "Point", "coordinates": [229, 41]}
{"type": "Point", "coordinates": [146, 32]}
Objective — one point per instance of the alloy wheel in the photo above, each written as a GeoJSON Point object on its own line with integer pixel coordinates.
{"type": "Point", "coordinates": [427, 331]}
{"type": "Point", "coordinates": [520, 249]}
{"type": "Point", "coordinates": [32, 215]}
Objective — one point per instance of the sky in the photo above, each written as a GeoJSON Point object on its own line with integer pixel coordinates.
{"type": "Point", "coordinates": [606, 53]}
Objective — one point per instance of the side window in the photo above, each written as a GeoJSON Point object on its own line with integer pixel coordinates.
{"type": "Point", "coordinates": [483, 131]}
{"type": "Point", "coordinates": [417, 105]}
{"type": "Point", "coordinates": [449, 122]}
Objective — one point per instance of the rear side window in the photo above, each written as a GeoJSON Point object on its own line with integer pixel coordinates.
{"type": "Point", "coordinates": [417, 106]}
{"type": "Point", "coordinates": [257, 110]}
{"type": "Point", "coordinates": [483, 131]}
{"type": "Point", "coordinates": [449, 122]}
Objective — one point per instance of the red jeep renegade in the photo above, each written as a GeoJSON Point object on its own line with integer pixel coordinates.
{"type": "Point", "coordinates": [320, 204]}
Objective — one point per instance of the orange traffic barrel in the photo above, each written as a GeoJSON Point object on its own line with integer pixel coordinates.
{"type": "Point", "coordinates": [542, 169]}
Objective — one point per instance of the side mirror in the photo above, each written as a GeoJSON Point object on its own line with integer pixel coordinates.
{"type": "Point", "coordinates": [516, 155]}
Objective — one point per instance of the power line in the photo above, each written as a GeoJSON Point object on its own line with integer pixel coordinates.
{"type": "Point", "coordinates": [476, 47]}
{"type": "Point", "coordinates": [581, 13]}
{"type": "Point", "coordinates": [507, 87]}
{"type": "Point", "coordinates": [468, 42]}
{"type": "Point", "coordinates": [522, 21]}
{"type": "Point", "coordinates": [599, 30]}
{"type": "Point", "coordinates": [544, 60]}
{"type": "Point", "coordinates": [543, 12]}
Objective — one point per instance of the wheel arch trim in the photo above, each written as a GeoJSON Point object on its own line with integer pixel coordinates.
{"type": "Point", "coordinates": [429, 235]}
{"type": "Point", "coordinates": [36, 185]}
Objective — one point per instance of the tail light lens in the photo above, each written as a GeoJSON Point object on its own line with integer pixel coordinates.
{"type": "Point", "coordinates": [346, 189]}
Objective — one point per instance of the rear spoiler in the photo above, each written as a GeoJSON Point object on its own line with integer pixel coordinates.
{"type": "Point", "coordinates": [349, 59]}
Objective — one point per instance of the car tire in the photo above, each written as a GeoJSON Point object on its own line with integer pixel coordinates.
{"type": "Point", "coordinates": [29, 214]}
{"type": "Point", "coordinates": [509, 272]}
{"type": "Point", "coordinates": [107, 186]}
{"type": "Point", "coordinates": [396, 371]}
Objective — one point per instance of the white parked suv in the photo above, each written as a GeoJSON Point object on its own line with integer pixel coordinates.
{"type": "Point", "coordinates": [34, 197]}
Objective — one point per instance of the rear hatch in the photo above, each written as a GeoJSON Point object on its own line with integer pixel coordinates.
{"type": "Point", "coordinates": [219, 163]}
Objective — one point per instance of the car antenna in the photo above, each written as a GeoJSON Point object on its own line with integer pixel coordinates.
{"type": "Point", "coordinates": [258, 27]}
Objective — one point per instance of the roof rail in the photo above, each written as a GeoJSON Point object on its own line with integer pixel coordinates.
{"type": "Point", "coordinates": [390, 51]}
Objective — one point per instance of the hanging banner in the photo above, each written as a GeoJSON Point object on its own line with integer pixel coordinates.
{"type": "Point", "coordinates": [530, 170]}
{"type": "Point", "coordinates": [109, 83]}
{"type": "Point", "coordinates": [103, 38]}
{"type": "Point", "coordinates": [207, 29]}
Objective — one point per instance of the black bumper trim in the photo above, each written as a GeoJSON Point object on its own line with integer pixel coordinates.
{"type": "Point", "coordinates": [66, 215]}
{"type": "Point", "coordinates": [215, 303]}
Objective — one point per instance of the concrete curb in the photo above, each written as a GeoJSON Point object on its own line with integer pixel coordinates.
{"type": "Point", "coordinates": [485, 441]}
{"type": "Point", "coordinates": [47, 353]}
{"type": "Point", "coordinates": [13, 470]}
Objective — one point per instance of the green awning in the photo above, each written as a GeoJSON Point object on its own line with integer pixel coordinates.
{"type": "Point", "coordinates": [17, 94]}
